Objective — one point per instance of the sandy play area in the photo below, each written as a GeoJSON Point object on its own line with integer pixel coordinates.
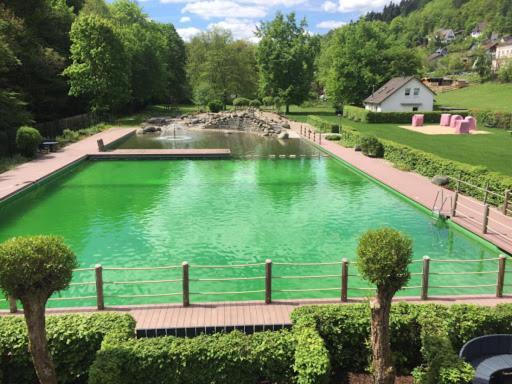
{"type": "Point", "coordinates": [438, 130]}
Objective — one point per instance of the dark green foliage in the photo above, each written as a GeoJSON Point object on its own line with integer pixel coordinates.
{"type": "Point", "coordinates": [365, 116]}
{"type": "Point", "coordinates": [333, 137]}
{"type": "Point", "coordinates": [255, 103]}
{"type": "Point", "coordinates": [371, 146]}
{"type": "Point", "coordinates": [241, 102]}
{"type": "Point", "coordinates": [492, 119]}
{"type": "Point", "coordinates": [322, 125]}
{"type": "Point", "coordinates": [73, 342]}
{"type": "Point", "coordinates": [28, 140]}
{"type": "Point", "coordinates": [268, 101]}
{"type": "Point", "coordinates": [35, 265]}
{"type": "Point", "coordinates": [232, 358]}
{"type": "Point", "coordinates": [215, 106]}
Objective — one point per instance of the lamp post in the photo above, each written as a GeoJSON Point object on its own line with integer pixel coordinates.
{"type": "Point", "coordinates": [339, 123]}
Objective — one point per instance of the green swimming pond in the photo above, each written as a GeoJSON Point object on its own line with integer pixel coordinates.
{"type": "Point", "coordinates": [227, 212]}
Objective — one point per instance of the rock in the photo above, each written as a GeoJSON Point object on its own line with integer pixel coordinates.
{"type": "Point", "coordinates": [158, 120]}
{"type": "Point", "coordinates": [357, 148]}
{"type": "Point", "coordinates": [283, 135]}
{"type": "Point", "coordinates": [151, 129]}
{"type": "Point", "coordinates": [286, 125]}
{"type": "Point", "coordinates": [440, 180]}
{"type": "Point", "coordinates": [265, 134]}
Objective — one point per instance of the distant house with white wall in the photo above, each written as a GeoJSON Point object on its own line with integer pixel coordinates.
{"type": "Point", "coordinates": [401, 94]}
{"type": "Point", "coordinates": [445, 35]}
{"type": "Point", "coordinates": [503, 54]}
{"type": "Point", "coordinates": [478, 30]}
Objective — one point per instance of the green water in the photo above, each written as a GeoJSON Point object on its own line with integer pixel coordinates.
{"type": "Point", "coordinates": [160, 213]}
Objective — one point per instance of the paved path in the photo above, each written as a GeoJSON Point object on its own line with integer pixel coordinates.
{"type": "Point", "coordinates": [421, 190]}
{"type": "Point", "coordinates": [43, 166]}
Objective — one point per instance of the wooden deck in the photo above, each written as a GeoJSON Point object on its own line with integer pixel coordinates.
{"type": "Point", "coordinates": [248, 316]}
{"type": "Point", "coordinates": [192, 153]}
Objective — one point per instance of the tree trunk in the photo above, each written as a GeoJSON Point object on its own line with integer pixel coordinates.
{"type": "Point", "coordinates": [38, 345]}
{"type": "Point", "coordinates": [287, 109]}
{"type": "Point", "coordinates": [383, 371]}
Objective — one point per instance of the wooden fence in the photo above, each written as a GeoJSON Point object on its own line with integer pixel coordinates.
{"type": "Point", "coordinates": [51, 129]}
{"type": "Point", "coordinates": [497, 281]}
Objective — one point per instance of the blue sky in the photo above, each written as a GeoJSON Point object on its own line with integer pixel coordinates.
{"type": "Point", "coordinates": [241, 16]}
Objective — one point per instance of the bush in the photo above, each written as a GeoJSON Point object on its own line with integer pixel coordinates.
{"type": "Point", "coordinates": [371, 146]}
{"type": "Point", "coordinates": [355, 113]}
{"type": "Point", "coordinates": [493, 119]}
{"type": "Point", "coordinates": [255, 103]}
{"type": "Point", "coordinates": [241, 102]}
{"type": "Point", "coordinates": [232, 358]}
{"type": "Point", "coordinates": [215, 106]}
{"type": "Point", "coordinates": [333, 137]}
{"type": "Point", "coordinates": [322, 125]}
{"type": "Point", "coordinates": [28, 140]}
{"type": "Point", "coordinates": [268, 101]}
{"type": "Point", "coordinates": [73, 342]}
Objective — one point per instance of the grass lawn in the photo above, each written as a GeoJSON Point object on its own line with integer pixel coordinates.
{"type": "Point", "coordinates": [487, 96]}
{"type": "Point", "coordinates": [493, 151]}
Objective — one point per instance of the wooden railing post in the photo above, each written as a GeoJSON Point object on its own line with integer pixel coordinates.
{"type": "Point", "coordinates": [500, 281]}
{"type": "Point", "coordinates": [309, 133]}
{"type": "Point", "coordinates": [455, 199]}
{"type": "Point", "coordinates": [186, 288]}
{"type": "Point", "coordinates": [425, 278]}
{"type": "Point", "coordinates": [506, 202]}
{"type": "Point", "coordinates": [320, 137]}
{"type": "Point", "coordinates": [486, 193]}
{"type": "Point", "coordinates": [344, 280]}
{"type": "Point", "coordinates": [12, 305]}
{"type": "Point", "coordinates": [100, 298]}
{"type": "Point", "coordinates": [314, 136]}
{"type": "Point", "coordinates": [485, 219]}
{"type": "Point", "coordinates": [268, 281]}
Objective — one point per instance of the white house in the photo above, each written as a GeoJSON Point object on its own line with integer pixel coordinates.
{"type": "Point", "coordinates": [503, 55]}
{"type": "Point", "coordinates": [401, 94]}
{"type": "Point", "coordinates": [478, 30]}
{"type": "Point", "coordinates": [445, 35]}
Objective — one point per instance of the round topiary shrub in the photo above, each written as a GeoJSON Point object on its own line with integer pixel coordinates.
{"type": "Point", "coordinates": [215, 106]}
{"type": "Point", "coordinates": [255, 103]}
{"type": "Point", "coordinates": [27, 141]}
{"type": "Point", "coordinates": [371, 146]}
{"type": "Point", "coordinates": [333, 137]}
{"type": "Point", "coordinates": [241, 102]}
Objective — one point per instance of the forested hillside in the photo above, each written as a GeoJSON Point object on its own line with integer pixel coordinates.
{"type": "Point", "coordinates": [59, 58]}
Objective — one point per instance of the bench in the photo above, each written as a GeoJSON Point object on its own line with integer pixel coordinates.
{"type": "Point", "coordinates": [489, 355]}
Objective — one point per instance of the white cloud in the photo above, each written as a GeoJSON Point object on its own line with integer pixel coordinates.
{"type": "Point", "coordinates": [240, 28]}
{"type": "Point", "coordinates": [330, 24]}
{"type": "Point", "coordinates": [329, 6]}
{"type": "Point", "coordinates": [360, 6]}
{"type": "Point", "coordinates": [185, 19]}
{"type": "Point", "coordinates": [221, 8]}
{"type": "Point", "coordinates": [188, 33]}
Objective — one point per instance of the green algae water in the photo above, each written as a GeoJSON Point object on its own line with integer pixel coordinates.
{"type": "Point", "coordinates": [225, 212]}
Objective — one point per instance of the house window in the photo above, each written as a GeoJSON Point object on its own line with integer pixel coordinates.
{"type": "Point", "coordinates": [416, 91]}
{"type": "Point", "coordinates": [407, 91]}
{"type": "Point", "coordinates": [415, 109]}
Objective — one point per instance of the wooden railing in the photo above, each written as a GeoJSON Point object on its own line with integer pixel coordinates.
{"type": "Point", "coordinates": [268, 278]}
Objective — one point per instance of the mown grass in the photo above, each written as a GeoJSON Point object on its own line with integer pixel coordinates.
{"type": "Point", "coordinates": [492, 151]}
{"type": "Point", "coordinates": [486, 97]}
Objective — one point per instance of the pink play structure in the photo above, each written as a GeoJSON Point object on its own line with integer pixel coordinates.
{"type": "Point", "coordinates": [460, 124]}
{"type": "Point", "coordinates": [417, 120]}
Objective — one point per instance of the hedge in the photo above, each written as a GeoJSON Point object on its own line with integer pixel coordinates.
{"type": "Point", "coordinates": [322, 125]}
{"type": "Point", "coordinates": [429, 165]}
{"type": "Point", "coordinates": [233, 358]}
{"type": "Point", "coordinates": [73, 341]}
{"type": "Point", "coordinates": [425, 338]}
{"type": "Point", "coordinates": [493, 119]}
{"type": "Point", "coordinates": [365, 116]}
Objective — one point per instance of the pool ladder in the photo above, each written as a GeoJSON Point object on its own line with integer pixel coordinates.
{"type": "Point", "coordinates": [437, 211]}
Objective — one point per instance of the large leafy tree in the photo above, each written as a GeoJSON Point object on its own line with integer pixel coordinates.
{"type": "Point", "coordinates": [359, 58]}
{"type": "Point", "coordinates": [100, 69]}
{"type": "Point", "coordinates": [222, 65]}
{"type": "Point", "coordinates": [286, 56]}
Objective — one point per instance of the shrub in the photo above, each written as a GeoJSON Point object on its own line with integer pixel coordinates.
{"type": "Point", "coordinates": [333, 137]}
{"type": "Point", "coordinates": [73, 341]}
{"type": "Point", "coordinates": [255, 103]}
{"type": "Point", "coordinates": [241, 102]}
{"type": "Point", "coordinates": [312, 362]}
{"type": "Point", "coordinates": [268, 101]}
{"type": "Point", "coordinates": [355, 113]}
{"type": "Point", "coordinates": [365, 116]}
{"type": "Point", "coordinates": [371, 146]}
{"type": "Point", "coordinates": [493, 119]}
{"type": "Point", "coordinates": [322, 125]}
{"type": "Point", "coordinates": [27, 141]}
{"type": "Point", "coordinates": [215, 106]}
{"type": "Point", "coordinates": [221, 358]}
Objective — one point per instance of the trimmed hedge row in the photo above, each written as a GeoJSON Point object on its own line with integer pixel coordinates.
{"type": "Point", "coordinates": [365, 116]}
{"type": "Point", "coordinates": [427, 164]}
{"type": "Point", "coordinates": [322, 125]}
{"type": "Point", "coordinates": [425, 338]}
{"type": "Point", "coordinates": [492, 119]}
{"type": "Point", "coordinates": [232, 358]}
{"type": "Point", "coordinates": [73, 341]}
